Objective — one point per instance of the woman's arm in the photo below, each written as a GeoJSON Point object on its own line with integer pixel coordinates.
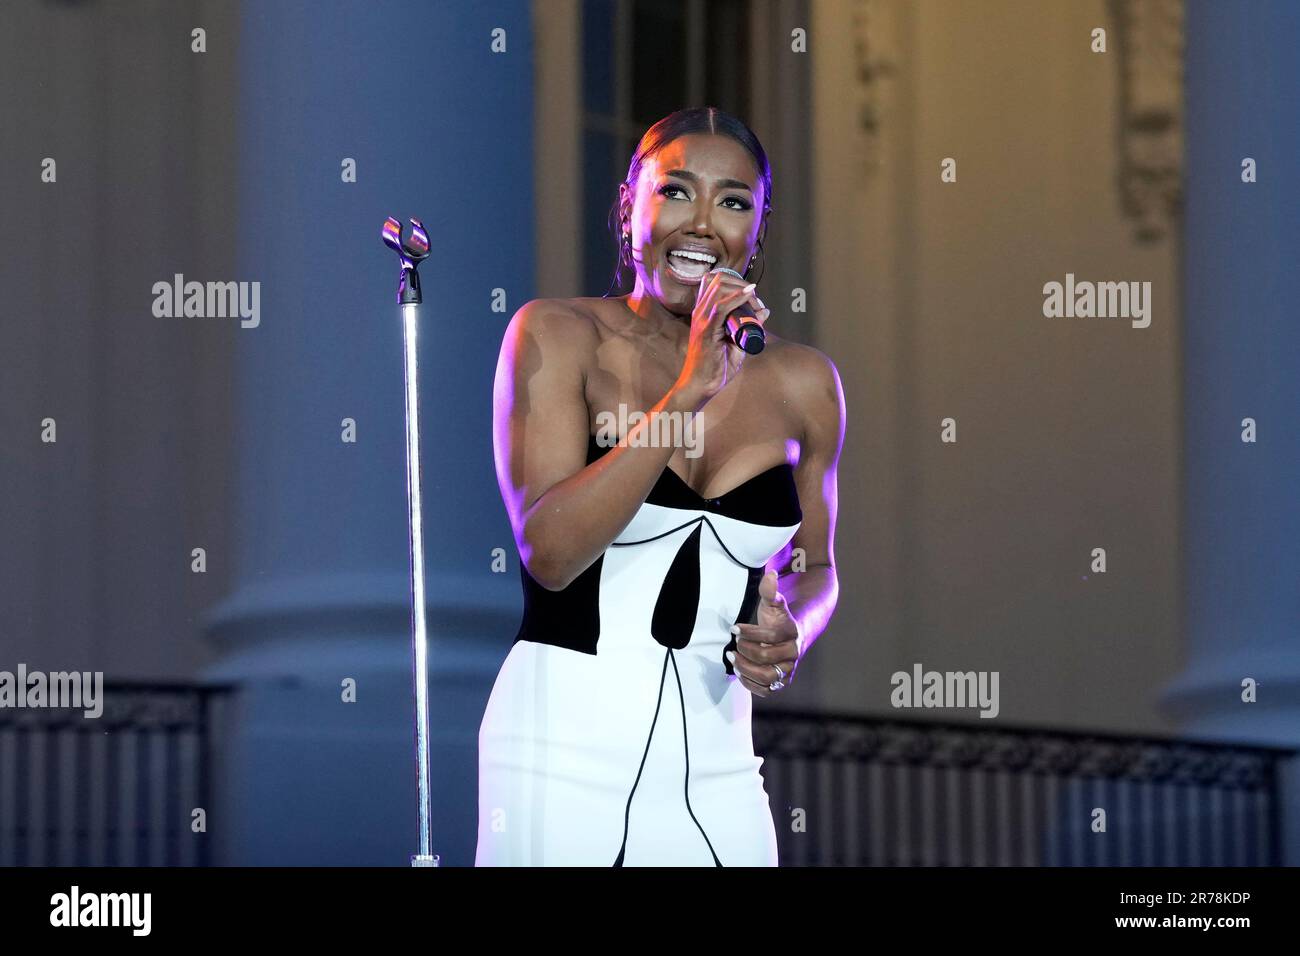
{"type": "Point", "coordinates": [794, 605]}
{"type": "Point", "coordinates": [812, 593]}
{"type": "Point", "coordinates": [564, 512]}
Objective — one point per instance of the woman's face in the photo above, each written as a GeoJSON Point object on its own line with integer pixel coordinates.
{"type": "Point", "coordinates": [699, 193]}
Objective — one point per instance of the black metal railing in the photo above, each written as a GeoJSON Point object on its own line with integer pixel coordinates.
{"type": "Point", "coordinates": [120, 789]}
{"type": "Point", "coordinates": [857, 791]}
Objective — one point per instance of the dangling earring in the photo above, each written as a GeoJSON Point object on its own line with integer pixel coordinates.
{"type": "Point", "coordinates": [754, 257]}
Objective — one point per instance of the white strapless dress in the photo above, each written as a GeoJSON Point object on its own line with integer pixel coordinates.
{"type": "Point", "coordinates": [616, 732]}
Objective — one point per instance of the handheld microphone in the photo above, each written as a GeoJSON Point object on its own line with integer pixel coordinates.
{"type": "Point", "coordinates": [742, 324]}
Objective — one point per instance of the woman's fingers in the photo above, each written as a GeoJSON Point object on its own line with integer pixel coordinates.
{"type": "Point", "coordinates": [735, 298]}
{"type": "Point", "coordinates": [775, 650]}
{"type": "Point", "coordinates": [761, 311]}
{"type": "Point", "coordinates": [758, 678]}
{"type": "Point", "coordinates": [709, 294]}
{"type": "Point", "coordinates": [755, 660]}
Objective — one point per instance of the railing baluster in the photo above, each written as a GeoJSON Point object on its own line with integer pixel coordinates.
{"type": "Point", "coordinates": [827, 814]}
{"type": "Point", "coordinates": [65, 832]}
{"type": "Point", "coordinates": [8, 796]}
{"type": "Point", "coordinates": [927, 817]}
{"type": "Point", "coordinates": [876, 811]}
{"type": "Point", "coordinates": [24, 784]}
{"type": "Point", "coordinates": [1032, 825]}
{"type": "Point", "coordinates": [98, 797]}
{"type": "Point", "coordinates": [856, 823]}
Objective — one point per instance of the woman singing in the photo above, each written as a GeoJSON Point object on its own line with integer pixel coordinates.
{"type": "Point", "coordinates": [665, 582]}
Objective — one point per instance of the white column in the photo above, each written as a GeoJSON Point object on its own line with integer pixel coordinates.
{"type": "Point", "coordinates": [1241, 519]}
{"type": "Point", "coordinates": [440, 128]}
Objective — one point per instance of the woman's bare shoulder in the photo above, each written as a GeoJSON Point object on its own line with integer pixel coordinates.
{"type": "Point", "coordinates": [553, 324]}
{"type": "Point", "coordinates": [801, 366]}
{"type": "Point", "coordinates": [811, 381]}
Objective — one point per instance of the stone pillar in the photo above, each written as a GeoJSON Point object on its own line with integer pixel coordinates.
{"type": "Point", "coordinates": [440, 128]}
{"type": "Point", "coordinates": [1241, 501]}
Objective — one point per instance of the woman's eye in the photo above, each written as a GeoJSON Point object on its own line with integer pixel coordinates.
{"type": "Point", "coordinates": [670, 188]}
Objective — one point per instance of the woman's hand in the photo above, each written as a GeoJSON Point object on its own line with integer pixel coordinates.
{"type": "Point", "coordinates": [769, 650]}
{"type": "Point", "coordinates": [712, 359]}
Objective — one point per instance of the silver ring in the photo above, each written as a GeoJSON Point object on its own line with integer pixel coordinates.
{"type": "Point", "coordinates": [779, 683]}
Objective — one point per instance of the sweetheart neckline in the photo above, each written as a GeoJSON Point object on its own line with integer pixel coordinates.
{"type": "Point", "coordinates": [591, 440]}
{"type": "Point", "coordinates": [732, 491]}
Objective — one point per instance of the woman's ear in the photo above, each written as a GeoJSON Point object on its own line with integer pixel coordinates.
{"type": "Point", "coordinates": [624, 205]}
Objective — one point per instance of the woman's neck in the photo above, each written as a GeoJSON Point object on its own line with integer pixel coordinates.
{"type": "Point", "coordinates": [656, 319]}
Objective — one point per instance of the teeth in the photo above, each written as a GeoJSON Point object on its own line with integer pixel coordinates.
{"type": "Point", "coordinates": [697, 256]}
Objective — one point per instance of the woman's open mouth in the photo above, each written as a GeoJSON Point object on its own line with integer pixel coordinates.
{"type": "Point", "coordinates": [690, 267]}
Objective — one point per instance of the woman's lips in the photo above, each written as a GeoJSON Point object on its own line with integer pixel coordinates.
{"type": "Point", "coordinates": [681, 277]}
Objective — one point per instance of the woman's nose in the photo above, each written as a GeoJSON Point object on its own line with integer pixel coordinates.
{"type": "Point", "coordinates": [703, 218]}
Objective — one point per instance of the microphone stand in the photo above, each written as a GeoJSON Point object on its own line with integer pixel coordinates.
{"type": "Point", "coordinates": [412, 252]}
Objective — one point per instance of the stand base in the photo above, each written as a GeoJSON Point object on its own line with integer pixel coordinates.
{"type": "Point", "coordinates": [418, 860]}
